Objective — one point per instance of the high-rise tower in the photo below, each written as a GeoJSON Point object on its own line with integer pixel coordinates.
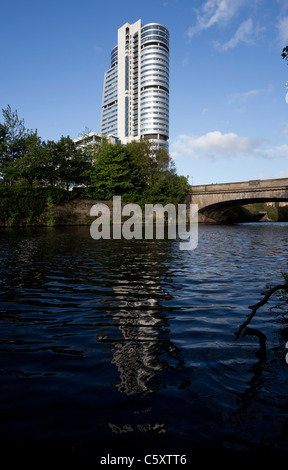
{"type": "Point", "coordinates": [135, 101]}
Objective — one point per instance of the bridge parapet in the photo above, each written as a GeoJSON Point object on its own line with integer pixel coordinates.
{"type": "Point", "coordinates": [269, 184]}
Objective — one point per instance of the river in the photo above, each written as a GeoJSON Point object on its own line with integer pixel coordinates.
{"type": "Point", "coordinates": [117, 345]}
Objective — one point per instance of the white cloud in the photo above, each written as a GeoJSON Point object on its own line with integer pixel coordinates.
{"type": "Point", "coordinates": [250, 94]}
{"type": "Point", "coordinates": [280, 174]}
{"type": "Point", "coordinates": [282, 27]}
{"type": "Point", "coordinates": [243, 34]}
{"type": "Point", "coordinates": [215, 12]}
{"type": "Point", "coordinates": [278, 152]}
{"type": "Point", "coordinates": [215, 144]}
{"type": "Point", "coordinates": [282, 148]}
{"type": "Point", "coordinates": [221, 12]}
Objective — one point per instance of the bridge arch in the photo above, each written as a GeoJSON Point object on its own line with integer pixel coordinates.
{"type": "Point", "coordinates": [215, 200]}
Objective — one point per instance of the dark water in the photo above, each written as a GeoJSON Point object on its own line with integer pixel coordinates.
{"type": "Point", "coordinates": [125, 346]}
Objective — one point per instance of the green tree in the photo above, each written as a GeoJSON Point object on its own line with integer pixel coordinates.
{"type": "Point", "coordinates": [12, 139]}
{"type": "Point", "coordinates": [161, 182]}
{"type": "Point", "coordinates": [285, 53]}
{"type": "Point", "coordinates": [141, 153]}
{"type": "Point", "coordinates": [115, 173]}
{"type": "Point", "coordinates": [163, 160]}
{"type": "Point", "coordinates": [149, 159]}
{"type": "Point", "coordinates": [138, 171]}
{"type": "Point", "coordinates": [55, 164]}
{"type": "Point", "coordinates": [15, 134]}
{"type": "Point", "coordinates": [3, 148]}
{"type": "Point", "coordinates": [27, 167]}
{"type": "Point", "coordinates": [168, 188]}
{"type": "Point", "coordinates": [73, 164]}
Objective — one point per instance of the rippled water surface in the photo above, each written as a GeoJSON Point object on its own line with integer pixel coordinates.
{"type": "Point", "coordinates": [130, 344]}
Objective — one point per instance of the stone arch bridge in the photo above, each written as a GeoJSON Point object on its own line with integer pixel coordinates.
{"type": "Point", "coordinates": [215, 199]}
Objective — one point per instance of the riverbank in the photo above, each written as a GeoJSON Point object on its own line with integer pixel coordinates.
{"type": "Point", "coordinates": [21, 206]}
{"type": "Point", "coordinates": [27, 212]}
{"type": "Point", "coordinates": [74, 212]}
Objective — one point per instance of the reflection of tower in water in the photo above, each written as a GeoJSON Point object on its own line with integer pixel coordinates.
{"type": "Point", "coordinates": [137, 358]}
{"type": "Point", "coordinates": [146, 350]}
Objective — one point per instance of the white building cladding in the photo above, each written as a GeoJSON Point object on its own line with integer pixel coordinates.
{"type": "Point", "coordinates": [135, 100]}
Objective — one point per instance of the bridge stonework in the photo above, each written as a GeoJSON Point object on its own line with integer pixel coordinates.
{"type": "Point", "coordinates": [215, 199]}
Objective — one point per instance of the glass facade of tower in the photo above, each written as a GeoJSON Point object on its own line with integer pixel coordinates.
{"type": "Point", "coordinates": [109, 98]}
{"type": "Point", "coordinates": [154, 106]}
{"type": "Point", "coordinates": [135, 102]}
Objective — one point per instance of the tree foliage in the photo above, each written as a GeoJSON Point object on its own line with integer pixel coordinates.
{"type": "Point", "coordinates": [285, 53]}
{"type": "Point", "coordinates": [137, 172]}
{"type": "Point", "coordinates": [161, 184]}
{"type": "Point", "coordinates": [14, 142]}
{"type": "Point", "coordinates": [115, 173]}
{"type": "Point", "coordinates": [27, 160]}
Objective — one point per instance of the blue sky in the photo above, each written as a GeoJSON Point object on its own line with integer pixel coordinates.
{"type": "Point", "coordinates": [228, 113]}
